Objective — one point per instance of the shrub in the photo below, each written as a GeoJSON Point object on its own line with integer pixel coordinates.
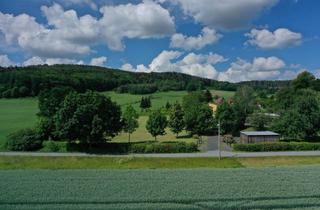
{"type": "Point", "coordinates": [54, 146]}
{"type": "Point", "coordinates": [140, 147]}
{"type": "Point", "coordinates": [24, 140]}
{"type": "Point", "coordinates": [164, 147]}
{"type": "Point", "coordinates": [276, 146]}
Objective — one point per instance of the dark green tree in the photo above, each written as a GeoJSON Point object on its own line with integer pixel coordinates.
{"type": "Point", "coordinates": [259, 120]}
{"type": "Point", "coordinates": [303, 80]}
{"type": "Point", "coordinates": [226, 115]}
{"type": "Point", "coordinates": [157, 123]}
{"type": "Point", "coordinates": [205, 123]}
{"type": "Point", "coordinates": [291, 125]}
{"type": "Point", "coordinates": [191, 104]}
{"type": "Point", "coordinates": [168, 106]}
{"type": "Point", "coordinates": [301, 119]}
{"type": "Point", "coordinates": [88, 117]}
{"type": "Point", "coordinates": [243, 105]}
{"type": "Point", "coordinates": [176, 119]}
{"type": "Point", "coordinates": [208, 96]}
{"type": "Point", "coordinates": [130, 120]}
{"type": "Point", "coordinates": [50, 100]}
{"type": "Point", "coordinates": [145, 103]}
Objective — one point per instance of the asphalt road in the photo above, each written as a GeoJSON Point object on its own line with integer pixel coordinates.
{"type": "Point", "coordinates": [173, 155]}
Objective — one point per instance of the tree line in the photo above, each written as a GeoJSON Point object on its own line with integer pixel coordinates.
{"type": "Point", "coordinates": [293, 111]}
{"type": "Point", "coordinates": [91, 118]}
{"type": "Point", "coordinates": [31, 80]}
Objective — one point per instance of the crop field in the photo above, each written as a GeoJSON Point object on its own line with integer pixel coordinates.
{"type": "Point", "coordinates": [239, 188]}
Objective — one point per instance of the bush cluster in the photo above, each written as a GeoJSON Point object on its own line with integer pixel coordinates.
{"type": "Point", "coordinates": [54, 146]}
{"type": "Point", "coordinates": [165, 147]}
{"type": "Point", "coordinates": [24, 140]}
{"type": "Point", "coordinates": [276, 146]}
{"type": "Point", "coordinates": [120, 148]}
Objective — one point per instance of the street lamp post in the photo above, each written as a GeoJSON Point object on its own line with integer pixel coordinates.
{"type": "Point", "coordinates": [219, 143]}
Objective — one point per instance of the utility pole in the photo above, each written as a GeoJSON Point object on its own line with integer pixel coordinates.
{"type": "Point", "coordinates": [219, 143]}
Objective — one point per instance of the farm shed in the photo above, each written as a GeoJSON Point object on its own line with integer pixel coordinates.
{"type": "Point", "coordinates": [247, 137]}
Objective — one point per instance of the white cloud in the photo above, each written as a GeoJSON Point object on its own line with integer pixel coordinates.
{"type": "Point", "coordinates": [171, 61]}
{"type": "Point", "coordinates": [143, 20]}
{"type": "Point", "coordinates": [100, 61]}
{"type": "Point", "coordinates": [210, 58]}
{"type": "Point", "coordinates": [317, 73]}
{"type": "Point", "coordinates": [224, 14]}
{"type": "Point", "coordinates": [5, 61]}
{"type": "Point", "coordinates": [127, 67]}
{"type": "Point", "coordinates": [202, 65]}
{"type": "Point", "coordinates": [50, 61]}
{"type": "Point", "coordinates": [208, 36]}
{"type": "Point", "coordinates": [280, 38]}
{"type": "Point", "coordinates": [68, 35]}
{"type": "Point", "coordinates": [260, 69]}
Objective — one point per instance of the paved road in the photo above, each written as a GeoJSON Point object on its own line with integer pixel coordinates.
{"type": "Point", "coordinates": [176, 155]}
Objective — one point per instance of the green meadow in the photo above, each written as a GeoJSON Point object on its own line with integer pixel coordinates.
{"type": "Point", "coordinates": [21, 113]}
{"type": "Point", "coordinates": [16, 114]}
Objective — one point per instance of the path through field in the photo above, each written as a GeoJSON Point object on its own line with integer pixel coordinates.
{"type": "Point", "coordinates": [266, 188]}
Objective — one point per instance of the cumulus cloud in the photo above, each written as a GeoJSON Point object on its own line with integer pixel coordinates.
{"type": "Point", "coordinates": [68, 35]}
{"type": "Point", "coordinates": [208, 36]}
{"type": "Point", "coordinates": [203, 65]}
{"type": "Point", "coordinates": [143, 20]}
{"type": "Point", "coordinates": [259, 69]}
{"type": "Point", "coordinates": [200, 65]}
{"type": "Point", "coordinates": [226, 14]}
{"type": "Point", "coordinates": [5, 61]}
{"type": "Point", "coordinates": [50, 61]}
{"type": "Point", "coordinates": [280, 38]}
{"type": "Point", "coordinates": [100, 61]}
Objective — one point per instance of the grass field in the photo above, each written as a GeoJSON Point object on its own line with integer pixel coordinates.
{"type": "Point", "coordinates": [16, 114]}
{"type": "Point", "coordinates": [141, 134]}
{"type": "Point", "coordinates": [159, 99]}
{"type": "Point", "coordinates": [21, 162]}
{"type": "Point", "coordinates": [196, 189]}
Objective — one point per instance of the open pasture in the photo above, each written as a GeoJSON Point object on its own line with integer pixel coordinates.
{"type": "Point", "coordinates": [16, 114]}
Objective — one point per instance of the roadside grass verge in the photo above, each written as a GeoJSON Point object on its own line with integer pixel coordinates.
{"type": "Point", "coordinates": [278, 161]}
{"type": "Point", "coordinates": [22, 162]}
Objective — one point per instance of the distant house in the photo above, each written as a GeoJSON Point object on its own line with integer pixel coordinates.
{"type": "Point", "coordinates": [247, 137]}
{"type": "Point", "coordinates": [213, 107]}
{"type": "Point", "coordinates": [216, 103]}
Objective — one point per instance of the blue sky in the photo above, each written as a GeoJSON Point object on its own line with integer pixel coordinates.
{"type": "Point", "coordinates": [224, 40]}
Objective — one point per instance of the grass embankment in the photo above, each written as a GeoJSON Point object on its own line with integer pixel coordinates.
{"type": "Point", "coordinates": [21, 162]}
{"type": "Point", "coordinates": [196, 189]}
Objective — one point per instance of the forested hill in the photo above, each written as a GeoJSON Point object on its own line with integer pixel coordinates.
{"type": "Point", "coordinates": [29, 81]}
{"type": "Point", "coordinates": [266, 84]}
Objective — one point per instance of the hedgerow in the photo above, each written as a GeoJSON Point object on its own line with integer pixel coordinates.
{"type": "Point", "coordinates": [120, 148]}
{"type": "Point", "coordinates": [276, 146]}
